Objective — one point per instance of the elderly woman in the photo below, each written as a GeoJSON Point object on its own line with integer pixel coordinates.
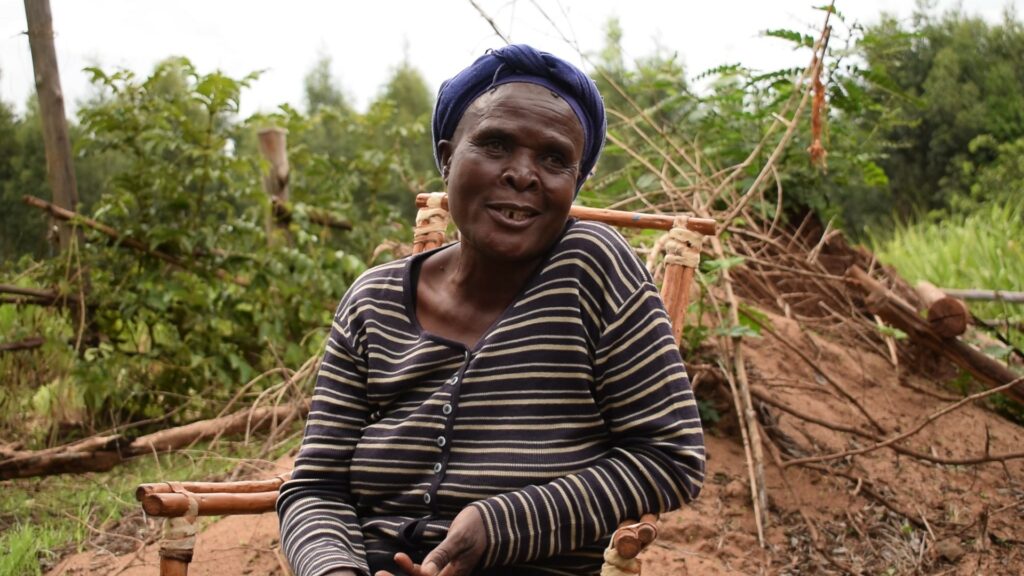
{"type": "Point", "coordinates": [499, 405]}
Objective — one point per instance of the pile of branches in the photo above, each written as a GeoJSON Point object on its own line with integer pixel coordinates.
{"type": "Point", "coordinates": [804, 271]}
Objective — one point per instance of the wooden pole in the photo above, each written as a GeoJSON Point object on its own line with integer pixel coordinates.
{"type": "Point", "coordinates": [60, 170]}
{"type": "Point", "coordinates": [210, 503]}
{"type": "Point", "coordinates": [705, 226]}
{"type": "Point", "coordinates": [274, 148]}
{"type": "Point", "coordinates": [238, 487]}
{"type": "Point", "coordinates": [982, 294]}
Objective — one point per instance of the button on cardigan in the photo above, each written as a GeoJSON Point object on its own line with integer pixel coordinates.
{"type": "Point", "coordinates": [572, 413]}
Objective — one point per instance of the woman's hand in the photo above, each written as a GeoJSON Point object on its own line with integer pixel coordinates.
{"type": "Point", "coordinates": [457, 555]}
{"type": "Point", "coordinates": [342, 572]}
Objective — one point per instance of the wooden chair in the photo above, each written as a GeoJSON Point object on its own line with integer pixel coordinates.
{"type": "Point", "coordinates": [180, 503]}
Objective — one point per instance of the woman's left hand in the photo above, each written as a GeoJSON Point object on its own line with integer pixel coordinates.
{"type": "Point", "coordinates": [456, 555]}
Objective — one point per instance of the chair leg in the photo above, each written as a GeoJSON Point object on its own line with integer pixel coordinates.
{"type": "Point", "coordinates": [172, 567]}
{"type": "Point", "coordinates": [177, 546]}
{"type": "Point", "coordinates": [682, 255]}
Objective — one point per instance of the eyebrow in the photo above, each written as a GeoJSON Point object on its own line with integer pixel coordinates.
{"type": "Point", "coordinates": [553, 143]}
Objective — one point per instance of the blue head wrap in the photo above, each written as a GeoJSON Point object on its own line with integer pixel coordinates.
{"type": "Point", "coordinates": [522, 63]}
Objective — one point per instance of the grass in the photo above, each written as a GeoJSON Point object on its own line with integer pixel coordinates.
{"type": "Point", "coordinates": [983, 249]}
{"type": "Point", "coordinates": [40, 518]}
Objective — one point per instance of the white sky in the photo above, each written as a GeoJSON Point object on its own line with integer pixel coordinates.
{"type": "Point", "coordinates": [367, 38]}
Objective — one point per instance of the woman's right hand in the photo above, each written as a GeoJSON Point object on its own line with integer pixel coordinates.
{"type": "Point", "coordinates": [343, 572]}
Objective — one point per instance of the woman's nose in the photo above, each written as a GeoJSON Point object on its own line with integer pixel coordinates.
{"type": "Point", "coordinates": [521, 173]}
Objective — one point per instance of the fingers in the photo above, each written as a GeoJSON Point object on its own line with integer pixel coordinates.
{"type": "Point", "coordinates": [407, 565]}
{"type": "Point", "coordinates": [437, 560]}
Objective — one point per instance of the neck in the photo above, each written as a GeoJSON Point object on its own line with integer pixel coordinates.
{"type": "Point", "coordinates": [492, 283]}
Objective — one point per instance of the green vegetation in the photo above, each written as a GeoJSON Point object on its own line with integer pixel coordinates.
{"type": "Point", "coordinates": [984, 248]}
{"type": "Point", "coordinates": [182, 175]}
{"type": "Point", "coordinates": [40, 518]}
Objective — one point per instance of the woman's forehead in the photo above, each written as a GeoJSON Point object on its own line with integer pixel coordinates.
{"type": "Point", "coordinates": [516, 99]}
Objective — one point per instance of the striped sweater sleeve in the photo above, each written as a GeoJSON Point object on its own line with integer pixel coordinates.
{"type": "Point", "coordinates": [656, 462]}
{"type": "Point", "coordinates": [320, 531]}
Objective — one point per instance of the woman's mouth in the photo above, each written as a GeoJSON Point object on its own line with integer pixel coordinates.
{"type": "Point", "coordinates": [513, 216]}
{"type": "Point", "coordinates": [516, 215]}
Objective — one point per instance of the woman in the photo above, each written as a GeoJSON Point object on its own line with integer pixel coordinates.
{"type": "Point", "coordinates": [498, 405]}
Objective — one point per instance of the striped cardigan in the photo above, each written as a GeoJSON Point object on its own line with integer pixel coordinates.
{"type": "Point", "coordinates": [572, 413]}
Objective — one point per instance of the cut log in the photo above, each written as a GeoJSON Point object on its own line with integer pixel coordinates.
{"type": "Point", "coordinates": [101, 453]}
{"type": "Point", "coordinates": [174, 438]}
{"type": "Point", "coordinates": [879, 300]}
{"type": "Point", "coordinates": [947, 316]}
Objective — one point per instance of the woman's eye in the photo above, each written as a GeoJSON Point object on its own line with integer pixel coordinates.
{"type": "Point", "coordinates": [556, 160]}
{"type": "Point", "coordinates": [494, 146]}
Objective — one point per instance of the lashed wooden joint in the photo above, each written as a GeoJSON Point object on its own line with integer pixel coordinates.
{"type": "Point", "coordinates": [431, 223]}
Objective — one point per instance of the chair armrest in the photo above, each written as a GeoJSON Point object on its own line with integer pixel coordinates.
{"type": "Point", "coordinates": [172, 499]}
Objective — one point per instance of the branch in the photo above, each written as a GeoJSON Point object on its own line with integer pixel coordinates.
{"type": "Point", "coordinates": [494, 25]}
{"type": "Point", "coordinates": [767, 399]}
{"type": "Point", "coordinates": [26, 344]}
{"type": "Point", "coordinates": [814, 366]}
{"type": "Point", "coordinates": [893, 439]}
{"type": "Point", "coordinates": [67, 215]}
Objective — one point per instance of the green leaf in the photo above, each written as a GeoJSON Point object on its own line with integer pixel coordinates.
{"type": "Point", "coordinates": [740, 331]}
{"type": "Point", "coordinates": [708, 266]}
{"type": "Point", "coordinates": [891, 332]}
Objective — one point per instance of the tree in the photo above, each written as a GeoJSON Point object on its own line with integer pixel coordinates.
{"type": "Point", "coordinates": [322, 90]}
{"type": "Point", "coordinates": [952, 80]}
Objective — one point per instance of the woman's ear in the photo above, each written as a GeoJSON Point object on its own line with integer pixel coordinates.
{"type": "Point", "coordinates": [444, 154]}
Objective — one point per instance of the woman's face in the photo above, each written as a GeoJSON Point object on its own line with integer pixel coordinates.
{"type": "Point", "coordinates": [511, 170]}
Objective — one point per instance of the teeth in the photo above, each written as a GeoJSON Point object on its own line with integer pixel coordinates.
{"type": "Point", "coordinates": [515, 215]}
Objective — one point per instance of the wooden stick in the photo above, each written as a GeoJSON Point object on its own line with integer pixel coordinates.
{"type": "Point", "coordinates": [26, 301]}
{"type": "Point", "coordinates": [26, 344]}
{"type": "Point", "coordinates": [881, 301]}
{"type": "Point", "coordinates": [173, 567]}
{"type": "Point", "coordinates": [210, 503]}
{"type": "Point", "coordinates": [748, 450]}
{"type": "Point", "coordinates": [675, 292]}
{"type": "Point", "coordinates": [982, 294]}
{"type": "Point", "coordinates": [706, 226]}
{"type": "Point", "coordinates": [239, 487]}
{"type": "Point", "coordinates": [283, 211]}
{"type": "Point", "coordinates": [898, 437]}
{"type": "Point", "coordinates": [63, 214]}
{"type": "Point", "coordinates": [765, 397]}
{"type": "Point", "coordinates": [273, 144]}
{"type": "Point", "coordinates": [34, 292]}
